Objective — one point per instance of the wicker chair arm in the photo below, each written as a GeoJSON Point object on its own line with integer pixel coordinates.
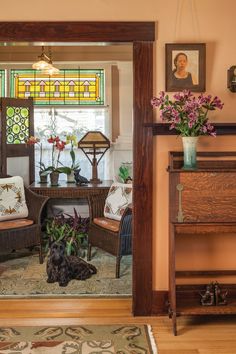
{"type": "Point", "coordinates": [35, 204]}
{"type": "Point", "coordinates": [96, 206]}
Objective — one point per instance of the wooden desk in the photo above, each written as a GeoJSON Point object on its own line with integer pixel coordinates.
{"type": "Point", "coordinates": [201, 202]}
{"type": "Point", "coordinates": [70, 190]}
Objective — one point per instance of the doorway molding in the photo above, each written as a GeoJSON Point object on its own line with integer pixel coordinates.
{"type": "Point", "coordinates": [141, 35]}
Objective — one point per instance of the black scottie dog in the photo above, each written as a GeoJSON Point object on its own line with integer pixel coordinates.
{"type": "Point", "coordinates": [62, 268]}
{"type": "Point", "coordinates": [80, 179]}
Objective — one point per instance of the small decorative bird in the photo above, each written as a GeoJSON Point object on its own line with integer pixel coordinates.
{"type": "Point", "coordinates": [80, 179]}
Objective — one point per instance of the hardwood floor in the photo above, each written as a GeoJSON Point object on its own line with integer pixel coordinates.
{"type": "Point", "coordinates": [196, 335]}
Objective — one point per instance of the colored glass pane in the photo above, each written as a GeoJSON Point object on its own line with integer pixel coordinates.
{"type": "Point", "coordinates": [17, 124]}
{"type": "Point", "coordinates": [84, 87]}
{"type": "Point", "coordinates": [2, 82]}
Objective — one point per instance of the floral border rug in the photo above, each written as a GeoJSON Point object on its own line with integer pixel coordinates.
{"type": "Point", "coordinates": [88, 339]}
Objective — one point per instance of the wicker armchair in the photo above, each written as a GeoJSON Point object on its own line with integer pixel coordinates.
{"type": "Point", "coordinates": [114, 237]}
{"type": "Point", "coordinates": [15, 237]}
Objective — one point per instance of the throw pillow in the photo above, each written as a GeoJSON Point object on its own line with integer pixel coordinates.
{"type": "Point", "coordinates": [119, 196]}
{"type": "Point", "coordinates": [12, 198]}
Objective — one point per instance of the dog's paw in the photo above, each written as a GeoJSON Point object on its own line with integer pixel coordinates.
{"type": "Point", "coordinates": [50, 280]}
{"type": "Point", "coordinates": [63, 284]}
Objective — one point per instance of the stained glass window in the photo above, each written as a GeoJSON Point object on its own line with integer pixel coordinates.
{"type": "Point", "coordinates": [17, 124]}
{"type": "Point", "coordinates": [84, 87]}
{"type": "Point", "coordinates": [2, 82]}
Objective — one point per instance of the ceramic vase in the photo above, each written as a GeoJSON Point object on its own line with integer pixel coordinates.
{"type": "Point", "coordinates": [54, 176]}
{"type": "Point", "coordinates": [190, 152]}
{"type": "Point", "coordinates": [71, 177]}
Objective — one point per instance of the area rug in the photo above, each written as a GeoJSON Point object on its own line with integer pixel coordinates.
{"type": "Point", "coordinates": [119, 339]}
{"type": "Point", "coordinates": [22, 275]}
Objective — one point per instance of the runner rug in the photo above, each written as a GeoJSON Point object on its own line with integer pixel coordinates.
{"type": "Point", "coordinates": [88, 339]}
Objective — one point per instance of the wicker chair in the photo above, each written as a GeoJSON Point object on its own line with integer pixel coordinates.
{"type": "Point", "coordinates": [114, 237]}
{"type": "Point", "coordinates": [15, 237]}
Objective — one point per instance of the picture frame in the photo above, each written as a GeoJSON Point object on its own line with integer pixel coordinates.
{"type": "Point", "coordinates": [185, 67]}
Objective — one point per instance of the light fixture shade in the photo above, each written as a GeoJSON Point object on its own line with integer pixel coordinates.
{"type": "Point", "coordinates": [41, 65]}
{"type": "Point", "coordinates": [45, 64]}
{"type": "Point", "coordinates": [96, 144]}
{"type": "Point", "coordinates": [51, 70]}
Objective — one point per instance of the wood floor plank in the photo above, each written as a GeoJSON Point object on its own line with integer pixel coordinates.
{"type": "Point", "coordinates": [196, 335]}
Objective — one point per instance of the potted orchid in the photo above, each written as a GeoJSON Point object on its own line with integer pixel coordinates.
{"type": "Point", "coordinates": [32, 141]}
{"type": "Point", "coordinates": [188, 115]}
{"type": "Point", "coordinates": [54, 170]}
{"type": "Point", "coordinates": [69, 170]}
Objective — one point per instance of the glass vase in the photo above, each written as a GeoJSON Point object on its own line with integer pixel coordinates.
{"type": "Point", "coordinates": [190, 152]}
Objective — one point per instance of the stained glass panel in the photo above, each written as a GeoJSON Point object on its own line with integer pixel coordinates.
{"type": "Point", "coordinates": [2, 83]}
{"type": "Point", "coordinates": [84, 87]}
{"type": "Point", "coordinates": [17, 124]}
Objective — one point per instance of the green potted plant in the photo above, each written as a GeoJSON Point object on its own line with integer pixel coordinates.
{"type": "Point", "coordinates": [124, 174]}
{"type": "Point", "coordinates": [72, 229]}
{"type": "Point", "coordinates": [54, 170]}
{"type": "Point", "coordinates": [42, 168]}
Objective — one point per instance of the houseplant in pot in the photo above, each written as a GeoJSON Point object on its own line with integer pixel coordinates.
{"type": "Point", "coordinates": [188, 115]}
{"type": "Point", "coordinates": [72, 229]}
{"type": "Point", "coordinates": [54, 170]}
{"type": "Point", "coordinates": [69, 170]}
{"type": "Point", "coordinates": [32, 140]}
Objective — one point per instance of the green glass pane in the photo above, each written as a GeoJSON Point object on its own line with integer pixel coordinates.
{"type": "Point", "coordinates": [2, 83]}
{"type": "Point", "coordinates": [16, 129]}
{"type": "Point", "coordinates": [10, 111]}
{"type": "Point", "coordinates": [24, 112]}
{"type": "Point", "coordinates": [9, 122]}
{"type": "Point", "coordinates": [10, 139]}
{"type": "Point", "coordinates": [17, 125]}
{"type": "Point", "coordinates": [17, 119]}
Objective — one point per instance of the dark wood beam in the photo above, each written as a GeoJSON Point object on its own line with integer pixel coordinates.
{"type": "Point", "coordinates": [77, 31]}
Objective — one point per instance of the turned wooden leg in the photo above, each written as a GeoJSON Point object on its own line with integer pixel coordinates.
{"type": "Point", "coordinates": [118, 258]}
{"type": "Point", "coordinates": [40, 254]}
{"type": "Point", "coordinates": [89, 252]}
{"type": "Point", "coordinates": [174, 324]}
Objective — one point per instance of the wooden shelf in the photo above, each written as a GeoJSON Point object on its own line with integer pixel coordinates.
{"type": "Point", "coordinates": [164, 128]}
{"type": "Point", "coordinates": [196, 309]}
{"type": "Point", "coordinates": [203, 273]}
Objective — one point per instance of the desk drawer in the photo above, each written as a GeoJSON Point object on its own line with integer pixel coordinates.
{"type": "Point", "coordinates": [205, 196]}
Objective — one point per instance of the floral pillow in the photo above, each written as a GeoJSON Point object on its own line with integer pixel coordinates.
{"type": "Point", "coordinates": [12, 198]}
{"type": "Point", "coordinates": [119, 196]}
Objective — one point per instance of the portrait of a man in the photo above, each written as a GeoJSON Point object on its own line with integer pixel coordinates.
{"type": "Point", "coordinates": [185, 67]}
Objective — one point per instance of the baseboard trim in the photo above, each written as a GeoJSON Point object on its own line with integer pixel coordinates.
{"type": "Point", "coordinates": [159, 302]}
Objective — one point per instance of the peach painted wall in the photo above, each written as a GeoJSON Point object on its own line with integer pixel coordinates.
{"type": "Point", "coordinates": [200, 21]}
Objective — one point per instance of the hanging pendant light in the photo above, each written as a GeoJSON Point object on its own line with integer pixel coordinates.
{"type": "Point", "coordinates": [50, 70]}
{"type": "Point", "coordinates": [45, 63]}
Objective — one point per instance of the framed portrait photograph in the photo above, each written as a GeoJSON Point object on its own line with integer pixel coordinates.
{"type": "Point", "coordinates": [185, 67]}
